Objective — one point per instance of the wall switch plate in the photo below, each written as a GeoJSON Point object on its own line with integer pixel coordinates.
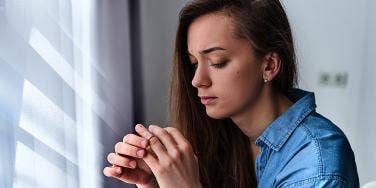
{"type": "Point", "coordinates": [333, 79]}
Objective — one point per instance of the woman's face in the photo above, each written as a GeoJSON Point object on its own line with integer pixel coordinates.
{"type": "Point", "coordinates": [228, 75]}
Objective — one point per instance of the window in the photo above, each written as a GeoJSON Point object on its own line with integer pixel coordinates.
{"type": "Point", "coordinates": [53, 110]}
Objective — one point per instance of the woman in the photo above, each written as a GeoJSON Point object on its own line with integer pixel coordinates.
{"type": "Point", "coordinates": [239, 121]}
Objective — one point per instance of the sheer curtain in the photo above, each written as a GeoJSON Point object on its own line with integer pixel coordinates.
{"type": "Point", "coordinates": [65, 96]}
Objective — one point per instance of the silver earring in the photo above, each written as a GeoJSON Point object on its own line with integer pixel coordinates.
{"type": "Point", "coordinates": [265, 80]}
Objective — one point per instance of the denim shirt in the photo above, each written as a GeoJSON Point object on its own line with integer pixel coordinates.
{"type": "Point", "coordinates": [301, 148]}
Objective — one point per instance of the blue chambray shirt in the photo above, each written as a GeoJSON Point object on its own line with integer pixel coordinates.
{"type": "Point", "coordinates": [301, 148]}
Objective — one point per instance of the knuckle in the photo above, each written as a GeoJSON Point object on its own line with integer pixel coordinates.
{"type": "Point", "coordinates": [163, 169]}
{"type": "Point", "coordinates": [176, 155]}
{"type": "Point", "coordinates": [160, 171]}
{"type": "Point", "coordinates": [168, 163]}
{"type": "Point", "coordinates": [186, 148]}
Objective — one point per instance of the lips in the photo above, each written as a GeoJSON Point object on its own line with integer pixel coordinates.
{"type": "Point", "coordinates": [207, 100]}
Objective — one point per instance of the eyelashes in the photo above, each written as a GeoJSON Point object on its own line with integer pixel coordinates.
{"type": "Point", "coordinates": [219, 65]}
{"type": "Point", "coordinates": [215, 65]}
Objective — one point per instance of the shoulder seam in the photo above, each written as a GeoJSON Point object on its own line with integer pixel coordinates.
{"type": "Point", "coordinates": [304, 115]}
{"type": "Point", "coordinates": [317, 148]}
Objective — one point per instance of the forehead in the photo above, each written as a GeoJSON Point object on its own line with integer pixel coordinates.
{"type": "Point", "coordinates": [210, 30]}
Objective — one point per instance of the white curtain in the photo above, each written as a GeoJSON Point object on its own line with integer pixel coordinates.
{"type": "Point", "coordinates": [65, 94]}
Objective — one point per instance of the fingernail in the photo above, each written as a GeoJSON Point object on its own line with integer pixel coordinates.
{"type": "Point", "coordinates": [140, 153]}
{"type": "Point", "coordinates": [151, 127]}
{"type": "Point", "coordinates": [132, 164]}
{"type": "Point", "coordinates": [138, 126]}
{"type": "Point", "coordinates": [107, 175]}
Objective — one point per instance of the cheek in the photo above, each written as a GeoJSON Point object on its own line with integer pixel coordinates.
{"type": "Point", "coordinates": [236, 93]}
{"type": "Point", "coordinates": [237, 87]}
{"type": "Point", "coordinates": [240, 83]}
{"type": "Point", "coordinates": [240, 90]}
{"type": "Point", "coordinates": [242, 87]}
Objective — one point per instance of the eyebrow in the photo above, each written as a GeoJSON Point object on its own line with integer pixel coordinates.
{"type": "Point", "coordinates": [209, 50]}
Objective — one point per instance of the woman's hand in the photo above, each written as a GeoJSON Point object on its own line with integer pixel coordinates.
{"type": "Point", "coordinates": [174, 163]}
{"type": "Point", "coordinates": [127, 162]}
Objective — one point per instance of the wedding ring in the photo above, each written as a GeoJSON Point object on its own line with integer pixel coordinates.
{"type": "Point", "coordinates": [150, 137]}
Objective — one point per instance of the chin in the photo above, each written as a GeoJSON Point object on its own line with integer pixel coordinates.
{"type": "Point", "coordinates": [216, 114]}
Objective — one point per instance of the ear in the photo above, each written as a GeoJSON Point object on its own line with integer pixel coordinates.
{"type": "Point", "coordinates": [271, 66]}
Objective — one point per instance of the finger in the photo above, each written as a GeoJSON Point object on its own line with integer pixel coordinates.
{"type": "Point", "coordinates": [177, 135]}
{"type": "Point", "coordinates": [183, 143]}
{"type": "Point", "coordinates": [127, 175]}
{"type": "Point", "coordinates": [143, 132]}
{"type": "Point", "coordinates": [127, 149]}
{"type": "Point", "coordinates": [167, 140]}
{"type": "Point", "coordinates": [112, 172]}
{"type": "Point", "coordinates": [120, 161]}
{"type": "Point", "coordinates": [154, 142]}
{"type": "Point", "coordinates": [151, 161]}
{"type": "Point", "coordinates": [135, 140]}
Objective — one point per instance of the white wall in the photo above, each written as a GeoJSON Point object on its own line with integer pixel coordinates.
{"type": "Point", "coordinates": [158, 26]}
{"type": "Point", "coordinates": [366, 120]}
{"type": "Point", "coordinates": [335, 37]}
{"type": "Point", "coordinates": [329, 38]}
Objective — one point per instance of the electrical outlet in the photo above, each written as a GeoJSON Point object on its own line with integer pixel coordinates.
{"type": "Point", "coordinates": [324, 79]}
{"type": "Point", "coordinates": [341, 79]}
{"type": "Point", "coordinates": [333, 79]}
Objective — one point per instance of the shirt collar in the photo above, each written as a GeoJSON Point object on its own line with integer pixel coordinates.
{"type": "Point", "coordinates": [277, 133]}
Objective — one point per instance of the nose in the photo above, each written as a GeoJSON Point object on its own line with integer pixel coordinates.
{"type": "Point", "coordinates": [201, 77]}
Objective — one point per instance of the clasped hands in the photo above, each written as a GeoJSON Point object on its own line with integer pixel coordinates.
{"type": "Point", "coordinates": [156, 157]}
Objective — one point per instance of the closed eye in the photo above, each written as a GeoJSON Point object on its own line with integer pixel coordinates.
{"type": "Point", "coordinates": [219, 65]}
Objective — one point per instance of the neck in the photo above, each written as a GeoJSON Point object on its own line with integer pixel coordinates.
{"type": "Point", "coordinates": [257, 117]}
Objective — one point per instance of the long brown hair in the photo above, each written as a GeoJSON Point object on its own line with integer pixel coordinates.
{"type": "Point", "coordinates": [222, 149]}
